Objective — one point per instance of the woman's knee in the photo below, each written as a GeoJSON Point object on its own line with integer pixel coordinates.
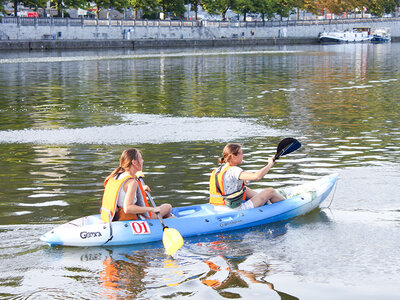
{"type": "Point", "coordinates": [269, 191]}
{"type": "Point", "coordinates": [166, 208]}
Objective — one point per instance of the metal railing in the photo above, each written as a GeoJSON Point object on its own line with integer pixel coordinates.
{"type": "Point", "coordinates": [25, 21]}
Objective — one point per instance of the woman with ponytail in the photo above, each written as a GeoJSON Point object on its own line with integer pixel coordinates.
{"type": "Point", "coordinates": [124, 197]}
{"type": "Point", "coordinates": [229, 182]}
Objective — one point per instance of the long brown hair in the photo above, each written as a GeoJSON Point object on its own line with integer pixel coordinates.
{"type": "Point", "coordinates": [125, 162]}
{"type": "Point", "coordinates": [229, 150]}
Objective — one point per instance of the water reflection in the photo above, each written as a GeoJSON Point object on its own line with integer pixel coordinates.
{"type": "Point", "coordinates": [224, 275]}
{"type": "Point", "coordinates": [121, 278]}
{"type": "Point", "coordinates": [341, 102]}
{"type": "Point", "coordinates": [260, 85]}
{"type": "Point", "coordinates": [143, 271]}
{"type": "Point", "coordinates": [127, 271]}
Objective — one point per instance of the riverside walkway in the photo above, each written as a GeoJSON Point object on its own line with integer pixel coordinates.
{"type": "Point", "coordinates": [48, 33]}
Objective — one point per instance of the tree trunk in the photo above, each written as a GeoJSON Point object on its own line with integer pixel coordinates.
{"type": "Point", "coordinates": [15, 8]}
{"type": "Point", "coordinates": [224, 15]}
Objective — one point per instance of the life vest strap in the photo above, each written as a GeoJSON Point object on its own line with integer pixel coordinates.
{"type": "Point", "coordinates": [216, 195]}
{"type": "Point", "coordinates": [144, 195]}
{"type": "Point", "coordinates": [216, 178]}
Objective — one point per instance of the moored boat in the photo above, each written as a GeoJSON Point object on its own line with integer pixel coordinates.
{"type": "Point", "coordinates": [357, 35]}
{"type": "Point", "coordinates": [381, 35]}
{"type": "Point", "coordinates": [191, 220]}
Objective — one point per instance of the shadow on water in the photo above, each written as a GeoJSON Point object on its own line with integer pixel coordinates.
{"type": "Point", "coordinates": [316, 216]}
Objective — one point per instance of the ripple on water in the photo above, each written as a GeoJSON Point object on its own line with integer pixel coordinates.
{"type": "Point", "coordinates": [148, 129]}
{"type": "Point", "coordinates": [44, 204]}
{"type": "Point", "coordinates": [139, 56]}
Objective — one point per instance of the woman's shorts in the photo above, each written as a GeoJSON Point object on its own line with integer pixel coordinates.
{"type": "Point", "coordinates": [246, 205]}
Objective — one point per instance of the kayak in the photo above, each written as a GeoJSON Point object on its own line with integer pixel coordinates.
{"type": "Point", "coordinates": [191, 220]}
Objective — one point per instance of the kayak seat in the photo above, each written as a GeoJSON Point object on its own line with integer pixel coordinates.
{"type": "Point", "coordinates": [192, 211]}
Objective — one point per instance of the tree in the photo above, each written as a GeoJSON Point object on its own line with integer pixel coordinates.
{"type": "Point", "coordinates": [35, 4]}
{"type": "Point", "coordinates": [146, 6]}
{"type": "Point", "coordinates": [100, 4]}
{"type": "Point", "coordinates": [307, 5]}
{"type": "Point", "coordinates": [284, 7]}
{"type": "Point", "coordinates": [218, 7]}
{"type": "Point", "coordinates": [175, 7]}
{"type": "Point", "coordinates": [194, 6]}
{"type": "Point", "coordinates": [62, 5]}
{"type": "Point", "coordinates": [380, 7]}
{"type": "Point", "coordinates": [265, 7]}
{"type": "Point", "coordinates": [243, 7]}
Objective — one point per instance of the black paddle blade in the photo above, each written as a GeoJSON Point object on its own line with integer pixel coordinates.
{"type": "Point", "coordinates": [286, 146]}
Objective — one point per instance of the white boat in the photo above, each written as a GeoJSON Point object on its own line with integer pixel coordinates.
{"type": "Point", "coordinates": [381, 35]}
{"type": "Point", "coordinates": [357, 35]}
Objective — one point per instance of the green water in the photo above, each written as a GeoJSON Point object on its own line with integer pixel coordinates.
{"type": "Point", "coordinates": [65, 117]}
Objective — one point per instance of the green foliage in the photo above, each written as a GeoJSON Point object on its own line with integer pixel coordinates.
{"type": "Point", "coordinates": [379, 7]}
{"type": "Point", "coordinates": [149, 8]}
{"type": "Point", "coordinates": [218, 7]}
{"type": "Point", "coordinates": [102, 4]}
{"type": "Point", "coordinates": [62, 5]}
{"type": "Point", "coordinates": [176, 8]}
{"type": "Point", "coordinates": [243, 6]}
{"type": "Point", "coordinates": [267, 8]}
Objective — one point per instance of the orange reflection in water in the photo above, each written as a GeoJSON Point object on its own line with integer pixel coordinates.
{"type": "Point", "coordinates": [223, 276]}
{"type": "Point", "coordinates": [121, 278]}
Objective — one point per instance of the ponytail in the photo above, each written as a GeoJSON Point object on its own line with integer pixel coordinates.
{"type": "Point", "coordinates": [125, 162]}
{"type": "Point", "coordinates": [113, 173]}
{"type": "Point", "coordinates": [229, 150]}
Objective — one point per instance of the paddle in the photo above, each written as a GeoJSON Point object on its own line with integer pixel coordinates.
{"type": "Point", "coordinates": [172, 239]}
{"type": "Point", "coordinates": [286, 146]}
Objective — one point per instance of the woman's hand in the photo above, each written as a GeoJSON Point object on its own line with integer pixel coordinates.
{"type": "Point", "coordinates": [147, 188]}
{"type": "Point", "coordinates": [155, 209]}
{"type": "Point", "coordinates": [271, 161]}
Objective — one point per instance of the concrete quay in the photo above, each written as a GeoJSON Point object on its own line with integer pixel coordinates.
{"type": "Point", "coordinates": [64, 33]}
{"type": "Point", "coordinates": [146, 43]}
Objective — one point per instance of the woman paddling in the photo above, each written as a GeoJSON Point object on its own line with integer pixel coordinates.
{"type": "Point", "coordinates": [124, 196]}
{"type": "Point", "coordinates": [228, 182]}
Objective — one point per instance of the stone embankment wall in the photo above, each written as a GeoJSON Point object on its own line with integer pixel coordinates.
{"type": "Point", "coordinates": [28, 33]}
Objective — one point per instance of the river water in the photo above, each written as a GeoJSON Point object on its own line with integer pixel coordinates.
{"type": "Point", "coordinates": [66, 116]}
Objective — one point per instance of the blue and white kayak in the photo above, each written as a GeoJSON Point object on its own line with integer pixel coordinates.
{"type": "Point", "coordinates": [191, 220]}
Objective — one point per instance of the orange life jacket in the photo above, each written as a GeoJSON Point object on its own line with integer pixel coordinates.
{"type": "Point", "coordinates": [217, 190]}
{"type": "Point", "coordinates": [110, 197]}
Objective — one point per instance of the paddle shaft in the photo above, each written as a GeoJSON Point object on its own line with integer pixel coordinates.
{"type": "Point", "coordinates": [152, 203]}
{"type": "Point", "coordinates": [172, 239]}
